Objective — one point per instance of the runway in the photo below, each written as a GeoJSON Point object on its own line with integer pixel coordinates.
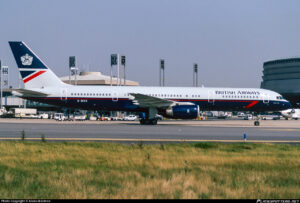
{"type": "Point", "coordinates": [165, 132]}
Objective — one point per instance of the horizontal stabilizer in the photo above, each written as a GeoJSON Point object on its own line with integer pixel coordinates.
{"type": "Point", "coordinates": [28, 93]}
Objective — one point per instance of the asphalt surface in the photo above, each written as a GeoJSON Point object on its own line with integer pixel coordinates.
{"type": "Point", "coordinates": [133, 132]}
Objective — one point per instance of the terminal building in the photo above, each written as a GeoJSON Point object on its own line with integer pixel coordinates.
{"type": "Point", "coordinates": [283, 76]}
{"type": "Point", "coordinates": [95, 78]}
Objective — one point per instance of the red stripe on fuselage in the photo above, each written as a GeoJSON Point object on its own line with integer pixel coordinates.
{"type": "Point", "coordinates": [34, 76]}
{"type": "Point", "coordinates": [251, 104]}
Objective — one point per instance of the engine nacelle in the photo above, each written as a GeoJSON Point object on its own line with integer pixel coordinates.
{"type": "Point", "coordinates": [183, 112]}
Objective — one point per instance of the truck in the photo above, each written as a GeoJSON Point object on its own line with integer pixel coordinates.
{"type": "Point", "coordinates": [24, 113]}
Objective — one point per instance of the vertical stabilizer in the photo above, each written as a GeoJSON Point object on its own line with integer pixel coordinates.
{"type": "Point", "coordinates": [34, 71]}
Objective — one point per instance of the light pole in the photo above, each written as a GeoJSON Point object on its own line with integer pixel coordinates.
{"type": "Point", "coordinates": [162, 73]}
{"type": "Point", "coordinates": [195, 75]}
{"type": "Point", "coordinates": [123, 62]}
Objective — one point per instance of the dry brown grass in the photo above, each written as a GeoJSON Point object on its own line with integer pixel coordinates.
{"type": "Point", "coordinates": [103, 170]}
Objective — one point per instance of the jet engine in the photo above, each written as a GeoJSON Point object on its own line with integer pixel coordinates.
{"type": "Point", "coordinates": [183, 112]}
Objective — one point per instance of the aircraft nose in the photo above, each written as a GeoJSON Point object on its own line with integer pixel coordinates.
{"type": "Point", "coordinates": [287, 104]}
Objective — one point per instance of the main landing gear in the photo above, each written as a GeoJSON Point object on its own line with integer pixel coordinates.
{"type": "Point", "coordinates": [152, 121]}
{"type": "Point", "coordinates": [256, 122]}
{"type": "Point", "coordinates": [150, 117]}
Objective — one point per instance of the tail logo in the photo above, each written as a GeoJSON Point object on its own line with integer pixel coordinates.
{"type": "Point", "coordinates": [36, 74]}
{"type": "Point", "coordinates": [26, 60]}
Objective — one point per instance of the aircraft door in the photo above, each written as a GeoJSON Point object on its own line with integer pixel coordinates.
{"type": "Point", "coordinates": [211, 97]}
{"type": "Point", "coordinates": [64, 95]}
{"type": "Point", "coordinates": [266, 98]}
{"type": "Point", "coordinates": [115, 96]}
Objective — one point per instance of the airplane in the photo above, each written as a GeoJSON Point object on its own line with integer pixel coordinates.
{"type": "Point", "coordinates": [42, 85]}
{"type": "Point", "coordinates": [291, 113]}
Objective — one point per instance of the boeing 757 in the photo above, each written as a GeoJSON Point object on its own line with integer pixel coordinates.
{"type": "Point", "coordinates": [42, 85]}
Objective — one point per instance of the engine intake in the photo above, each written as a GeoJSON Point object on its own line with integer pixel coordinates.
{"type": "Point", "coordinates": [183, 112]}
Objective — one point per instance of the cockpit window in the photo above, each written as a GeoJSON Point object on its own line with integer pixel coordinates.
{"type": "Point", "coordinates": [279, 97]}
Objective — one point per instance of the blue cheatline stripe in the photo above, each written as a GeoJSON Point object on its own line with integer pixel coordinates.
{"type": "Point", "coordinates": [125, 104]}
{"type": "Point", "coordinates": [25, 73]}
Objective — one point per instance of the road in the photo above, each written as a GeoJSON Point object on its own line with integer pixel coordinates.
{"type": "Point", "coordinates": [172, 131]}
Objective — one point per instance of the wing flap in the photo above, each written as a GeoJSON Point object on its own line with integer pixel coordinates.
{"type": "Point", "coordinates": [149, 101]}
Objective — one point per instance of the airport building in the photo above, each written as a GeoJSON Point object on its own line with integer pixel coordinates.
{"type": "Point", "coordinates": [95, 78]}
{"type": "Point", "coordinates": [283, 76]}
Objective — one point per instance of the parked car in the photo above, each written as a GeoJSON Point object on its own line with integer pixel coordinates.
{"type": "Point", "coordinates": [240, 115]}
{"type": "Point", "coordinates": [130, 118]}
{"type": "Point", "coordinates": [59, 117]}
{"type": "Point", "coordinates": [43, 116]}
{"type": "Point", "coordinates": [115, 118]}
{"type": "Point", "coordinates": [248, 117]}
{"type": "Point", "coordinates": [104, 118]}
{"type": "Point", "coordinates": [79, 117]}
{"type": "Point", "coordinates": [93, 118]}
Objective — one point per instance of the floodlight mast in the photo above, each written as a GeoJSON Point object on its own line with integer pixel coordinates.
{"type": "Point", "coordinates": [123, 62]}
{"type": "Point", "coordinates": [195, 75]}
{"type": "Point", "coordinates": [73, 70]}
{"type": "Point", "coordinates": [162, 73]}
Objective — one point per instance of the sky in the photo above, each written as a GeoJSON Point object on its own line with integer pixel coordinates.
{"type": "Point", "coordinates": [228, 39]}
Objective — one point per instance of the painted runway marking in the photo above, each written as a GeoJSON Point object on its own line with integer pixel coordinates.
{"type": "Point", "coordinates": [152, 140]}
{"type": "Point", "coordinates": [284, 130]}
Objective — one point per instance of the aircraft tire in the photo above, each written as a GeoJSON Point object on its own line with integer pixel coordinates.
{"type": "Point", "coordinates": [153, 121]}
{"type": "Point", "coordinates": [148, 121]}
{"type": "Point", "coordinates": [142, 121]}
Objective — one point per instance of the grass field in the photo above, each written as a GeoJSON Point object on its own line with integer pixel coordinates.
{"type": "Point", "coordinates": [105, 170]}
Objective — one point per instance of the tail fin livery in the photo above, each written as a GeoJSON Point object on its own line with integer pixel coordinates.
{"type": "Point", "coordinates": [34, 72]}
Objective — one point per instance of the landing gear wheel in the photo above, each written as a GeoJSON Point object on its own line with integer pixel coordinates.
{"type": "Point", "coordinates": [142, 121]}
{"type": "Point", "coordinates": [148, 121]}
{"type": "Point", "coordinates": [256, 123]}
{"type": "Point", "coordinates": [154, 121]}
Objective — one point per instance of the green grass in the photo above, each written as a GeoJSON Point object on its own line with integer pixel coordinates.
{"type": "Point", "coordinates": [105, 170]}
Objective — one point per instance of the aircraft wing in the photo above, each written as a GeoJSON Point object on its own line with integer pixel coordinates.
{"type": "Point", "coordinates": [149, 101]}
{"type": "Point", "coordinates": [28, 93]}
